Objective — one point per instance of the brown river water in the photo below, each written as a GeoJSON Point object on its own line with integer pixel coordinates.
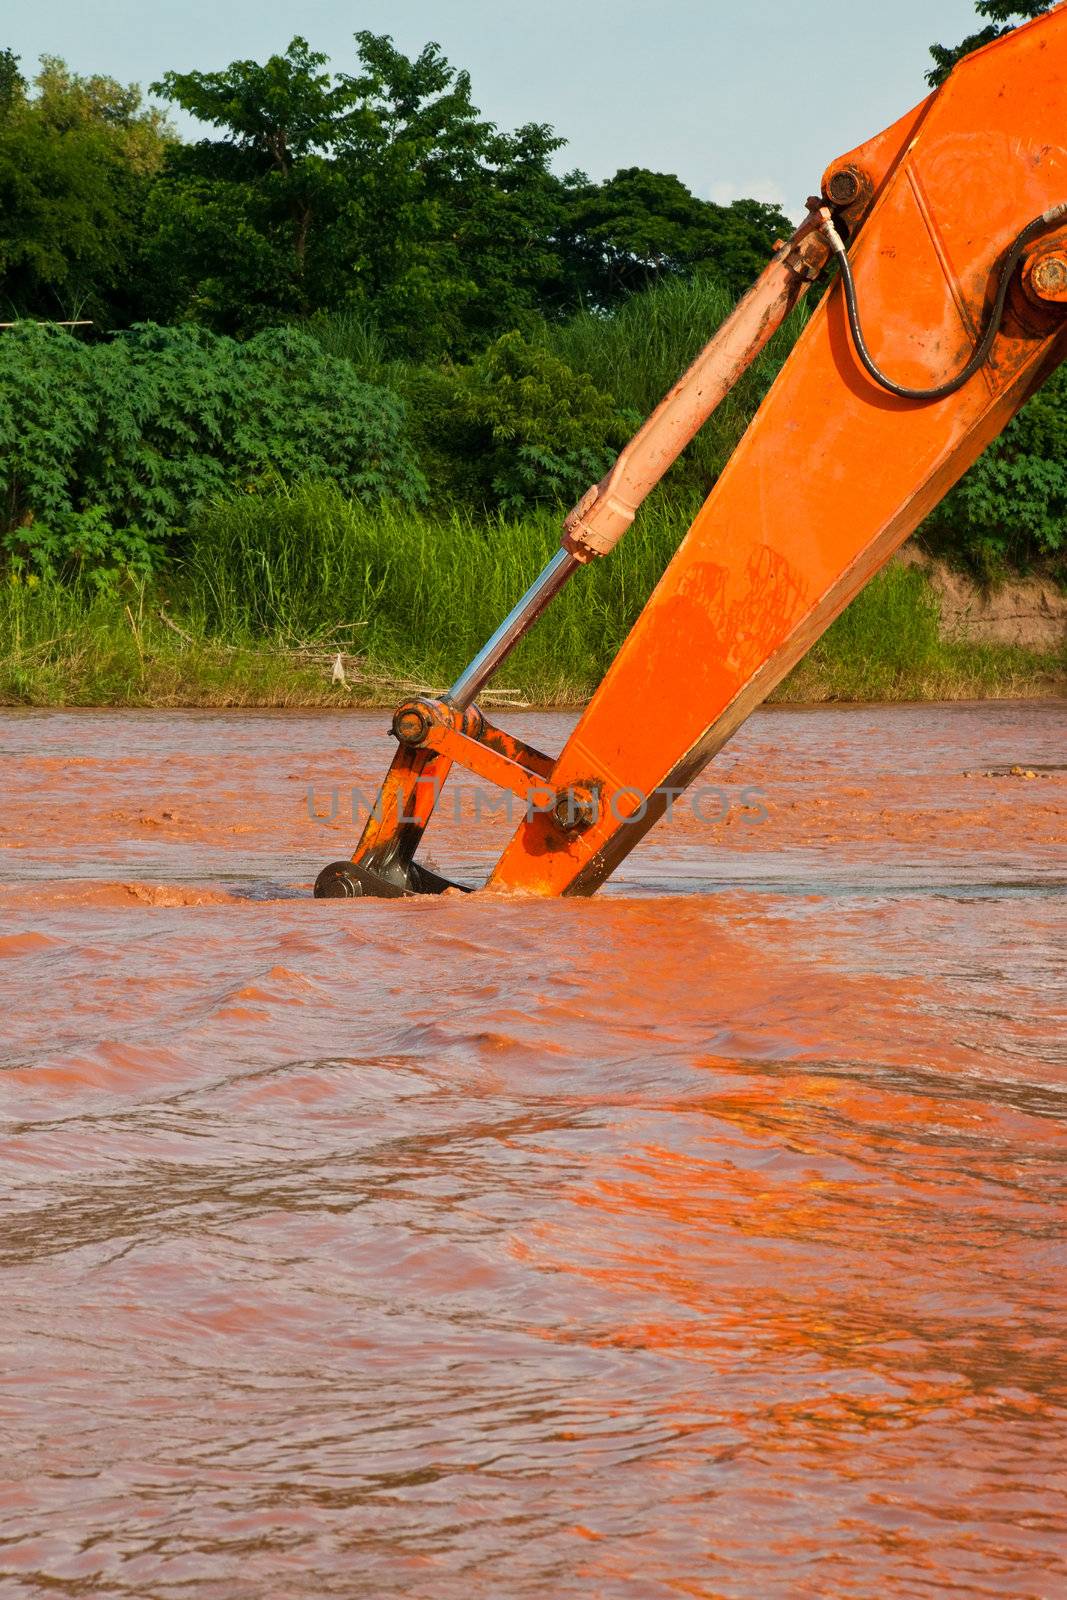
{"type": "Point", "coordinates": [702, 1239]}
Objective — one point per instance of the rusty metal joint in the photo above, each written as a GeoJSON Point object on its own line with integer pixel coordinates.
{"type": "Point", "coordinates": [577, 807]}
{"type": "Point", "coordinates": [596, 524]}
{"type": "Point", "coordinates": [807, 252]}
{"type": "Point", "coordinates": [1044, 273]}
{"type": "Point", "coordinates": [414, 719]}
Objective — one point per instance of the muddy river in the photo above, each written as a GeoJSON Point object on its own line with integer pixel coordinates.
{"type": "Point", "coordinates": [702, 1239]}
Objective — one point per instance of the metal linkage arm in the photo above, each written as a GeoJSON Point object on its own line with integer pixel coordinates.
{"type": "Point", "coordinates": [605, 511]}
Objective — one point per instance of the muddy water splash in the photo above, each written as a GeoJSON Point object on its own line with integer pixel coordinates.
{"type": "Point", "coordinates": [672, 1243]}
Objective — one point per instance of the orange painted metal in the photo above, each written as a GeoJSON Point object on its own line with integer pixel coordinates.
{"type": "Point", "coordinates": [834, 472]}
{"type": "Point", "coordinates": [415, 776]}
{"type": "Point", "coordinates": [534, 789]}
{"type": "Point", "coordinates": [831, 477]}
{"type": "Point", "coordinates": [513, 749]}
{"type": "Point", "coordinates": [1044, 274]}
{"type": "Point", "coordinates": [403, 808]}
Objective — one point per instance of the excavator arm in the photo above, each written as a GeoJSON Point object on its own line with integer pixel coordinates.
{"type": "Point", "coordinates": [948, 310]}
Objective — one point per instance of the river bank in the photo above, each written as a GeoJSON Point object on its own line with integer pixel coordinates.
{"type": "Point", "coordinates": [920, 631]}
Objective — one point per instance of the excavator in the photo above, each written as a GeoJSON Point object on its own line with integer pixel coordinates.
{"type": "Point", "coordinates": [946, 238]}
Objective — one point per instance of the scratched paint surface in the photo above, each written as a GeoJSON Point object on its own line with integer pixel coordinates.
{"type": "Point", "coordinates": [706, 1238]}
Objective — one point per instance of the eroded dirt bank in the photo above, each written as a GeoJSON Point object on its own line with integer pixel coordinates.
{"type": "Point", "coordinates": [1028, 612]}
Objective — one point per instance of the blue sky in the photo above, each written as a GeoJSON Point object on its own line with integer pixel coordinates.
{"type": "Point", "coordinates": [754, 98]}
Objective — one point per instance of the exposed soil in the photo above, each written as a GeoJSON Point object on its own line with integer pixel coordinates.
{"type": "Point", "coordinates": [1028, 612]}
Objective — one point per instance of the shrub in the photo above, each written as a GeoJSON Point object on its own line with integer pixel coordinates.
{"type": "Point", "coordinates": [141, 430]}
{"type": "Point", "coordinates": [1010, 509]}
{"type": "Point", "coordinates": [72, 545]}
{"type": "Point", "coordinates": [515, 428]}
{"type": "Point", "coordinates": [550, 431]}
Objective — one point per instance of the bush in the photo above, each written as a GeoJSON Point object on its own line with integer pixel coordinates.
{"type": "Point", "coordinates": [72, 545]}
{"type": "Point", "coordinates": [138, 432]}
{"type": "Point", "coordinates": [1010, 509]}
{"type": "Point", "coordinates": [514, 429]}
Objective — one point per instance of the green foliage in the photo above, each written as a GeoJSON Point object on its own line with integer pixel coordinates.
{"type": "Point", "coordinates": [384, 187]}
{"type": "Point", "coordinates": [640, 227]}
{"type": "Point", "coordinates": [383, 193]}
{"type": "Point", "coordinates": [640, 349]}
{"type": "Point", "coordinates": [893, 625]}
{"type": "Point", "coordinates": [144, 428]}
{"type": "Point", "coordinates": [235, 234]}
{"type": "Point", "coordinates": [1010, 510]}
{"type": "Point", "coordinates": [409, 598]}
{"type": "Point", "coordinates": [520, 427]}
{"type": "Point", "coordinates": [380, 194]}
{"type": "Point", "coordinates": [1005, 14]}
{"type": "Point", "coordinates": [77, 159]}
{"type": "Point", "coordinates": [373, 241]}
{"type": "Point", "coordinates": [63, 644]}
{"type": "Point", "coordinates": [82, 546]}
{"type": "Point", "coordinates": [549, 433]}
{"type": "Point", "coordinates": [355, 337]}
{"type": "Point", "coordinates": [12, 83]}
{"type": "Point", "coordinates": [536, 420]}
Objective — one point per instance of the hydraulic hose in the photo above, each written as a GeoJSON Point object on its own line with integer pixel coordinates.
{"type": "Point", "coordinates": [1031, 232]}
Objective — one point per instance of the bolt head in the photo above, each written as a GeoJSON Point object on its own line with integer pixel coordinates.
{"type": "Point", "coordinates": [1049, 277]}
{"type": "Point", "coordinates": [844, 187]}
{"type": "Point", "coordinates": [410, 725]}
{"type": "Point", "coordinates": [577, 808]}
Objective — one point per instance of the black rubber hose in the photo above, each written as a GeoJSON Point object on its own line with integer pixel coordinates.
{"type": "Point", "coordinates": [1032, 231]}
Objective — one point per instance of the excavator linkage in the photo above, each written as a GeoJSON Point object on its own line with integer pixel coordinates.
{"type": "Point", "coordinates": [948, 311]}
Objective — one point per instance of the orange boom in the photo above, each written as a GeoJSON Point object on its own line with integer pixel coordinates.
{"type": "Point", "coordinates": [948, 310]}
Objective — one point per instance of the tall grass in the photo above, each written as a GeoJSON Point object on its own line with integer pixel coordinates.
{"type": "Point", "coordinates": [61, 645]}
{"type": "Point", "coordinates": [640, 350]}
{"type": "Point", "coordinates": [274, 585]}
{"type": "Point", "coordinates": [414, 594]}
{"type": "Point", "coordinates": [887, 645]}
{"type": "Point", "coordinates": [354, 336]}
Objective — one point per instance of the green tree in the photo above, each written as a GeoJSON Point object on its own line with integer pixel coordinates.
{"type": "Point", "coordinates": [236, 227]}
{"type": "Point", "coordinates": [639, 227]}
{"type": "Point", "coordinates": [12, 83]}
{"type": "Point", "coordinates": [1004, 14]}
{"type": "Point", "coordinates": [461, 214]}
{"type": "Point", "coordinates": [77, 157]}
{"type": "Point", "coordinates": [515, 427]}
{"type": "Point", "coordinates": [383, 189]}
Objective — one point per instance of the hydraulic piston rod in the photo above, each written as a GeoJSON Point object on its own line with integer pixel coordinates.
{"type": "Point", "coordinates": [518, 621]}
